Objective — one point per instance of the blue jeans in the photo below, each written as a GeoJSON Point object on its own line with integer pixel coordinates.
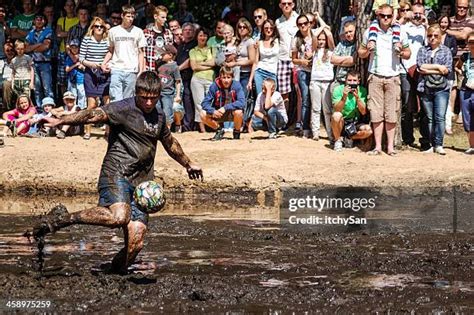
{"type": "Point", "coordinates": [275, 121]}
{"type": "Point", "coordinates": [467, 107]}
{"type": "Point", "coordinates": [303, 82]}
{"type": "Point", "coordinates": [43, 82]}
{"type": "Point", "coordinates": [260, 76]}
{"type": "Point", "coordinates": [122, 85]}
{"type": "Point", "coordinates": [166, 104]}
{"type": "Point", "coordinates": [78, 90]}
{"type": "Point", "coordinates": [435, 105]}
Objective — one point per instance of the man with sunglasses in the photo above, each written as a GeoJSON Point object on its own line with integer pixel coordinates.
{"type": "Point", "coordinates": [287, 28]}
{"type": "Point", "coordinates": [259, 16]}
{"type": "Point", "coordinates": [384, 78]}
{"type": "Point", "coordinates": [115, 18]}
{"type": "Point", "coordinates": [136, 126]}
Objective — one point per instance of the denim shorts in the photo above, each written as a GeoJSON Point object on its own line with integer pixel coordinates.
{"type": "Point", "coordinates": [120, 190]}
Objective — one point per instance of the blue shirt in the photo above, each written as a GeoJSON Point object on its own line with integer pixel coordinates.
{"type": "Point", "coordinates": [231, 99]}
{"type": "Point", "coordinates": [75, 75]}
{"type": "Point", "coordinates": [37, 37]}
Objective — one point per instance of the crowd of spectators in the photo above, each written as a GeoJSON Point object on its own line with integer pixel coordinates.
{"type": "Point", "coordinates": [286, 74]}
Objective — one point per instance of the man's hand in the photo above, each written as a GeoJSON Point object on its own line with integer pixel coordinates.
{"type": "Point", "coordinates": [51, 121]}
{"type": "Point", "coordinates": [217, 114]}
{"type": "Point", "coordinates": [371, 46]}
{"type": "Point", "coordinates": [346, 91]}
{"type": "Point", "coordinates": [194, 172]}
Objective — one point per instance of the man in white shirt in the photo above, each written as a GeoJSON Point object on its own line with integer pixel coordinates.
{"type": "Point", "coordinates": [126, 56]}
{"type": "Point", "coordinates": [384, 79]}
{"type": "Point", "coordinates": [287, 28]}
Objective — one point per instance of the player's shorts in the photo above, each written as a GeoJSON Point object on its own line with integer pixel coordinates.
{"type": "Point", "coordinates": [120, 190]}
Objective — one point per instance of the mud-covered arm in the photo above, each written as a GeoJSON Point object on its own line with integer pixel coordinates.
{"type": "Point", "coordinates": [88, 116]}
{"type": "Point", "coordinates": [175, 151]}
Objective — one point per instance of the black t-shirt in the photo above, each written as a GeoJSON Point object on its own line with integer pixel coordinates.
{"type": "Point", "coordinates": [132, 142]}
{"type": "Point", "coordinates": [182, 56]}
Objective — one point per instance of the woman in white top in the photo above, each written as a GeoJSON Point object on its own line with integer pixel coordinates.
{"type": "Point", "coordinates": [266, 56]}
{"type": "Point", "coordinates": [322, 74]}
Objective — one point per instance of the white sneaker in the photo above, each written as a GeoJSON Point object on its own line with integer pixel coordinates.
{"type": "Point", "coordinates": [430, 150]}
{"type": "Point", "coordinates": [272, 135]}
{"type": "Point", "coordinates": [440, 150]}
{"type": "Point", "coordinates": [469, 151]}
{"type": "Point", "coordinates": [338, 146]}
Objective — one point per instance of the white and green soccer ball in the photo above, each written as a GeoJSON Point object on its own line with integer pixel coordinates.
{"type": "Point", "coordinates": [150, 196]}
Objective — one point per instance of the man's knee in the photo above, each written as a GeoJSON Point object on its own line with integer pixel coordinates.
{"type": "Point", "coordinates": [337, 117]}
{"type": "Point", "coordinates": [121, 213]}
{"type": "Point", "coordinates": [238, 113]}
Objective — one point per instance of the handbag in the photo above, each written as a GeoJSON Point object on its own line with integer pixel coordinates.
{"type": "Point", "coordinates": [435, 81]}
{"type": "Point", "coordinates": [350, 128]}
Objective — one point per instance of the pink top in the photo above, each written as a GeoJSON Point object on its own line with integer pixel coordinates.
{"type": "Point", "coordinates": [18, 113]}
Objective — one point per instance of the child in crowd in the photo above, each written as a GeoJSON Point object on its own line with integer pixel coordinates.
{"type": "Point", "coordinates": [23, 75]}
{"type": "Point", "coordinates": [170, 78]}
{"type": "Point", "coordinates": [269, 109]}
{"type": "Point", "coordinates": [17, 120]}
{"type": "Point", "coordinates": [37, 127]}
{"type": "Point", "coordinates": [374, 27]}
{"type": "Point", "coordinates": [70, 107]}
{"type": "Point", "coordinates": [75, 73]}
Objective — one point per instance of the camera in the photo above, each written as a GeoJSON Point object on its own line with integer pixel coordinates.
{"type": "Point", "coordinates": [417, 17]}
{"type": "Point", "coordinates": [353, 86]}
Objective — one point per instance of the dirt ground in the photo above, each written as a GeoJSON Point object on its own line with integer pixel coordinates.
{"type": "Point", "coordinates": [254, 162]}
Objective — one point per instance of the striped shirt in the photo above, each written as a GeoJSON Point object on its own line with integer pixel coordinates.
{"type": "Point", "coordinates": [92, 50]}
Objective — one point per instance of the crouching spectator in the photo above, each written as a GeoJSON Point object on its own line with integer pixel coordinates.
{"type": "Point", "coordinates": [70, 107]}
{"type": "Point", "coordinates": [269, 110]}
{"type": "Point", "coordinates": [224, 102]}
{"type": "Point", "coordinates": [37, 127]}
{"type": "Point", "coordinates": [17, 120]}
{"type": "Point", "coordinates": [349, 102]}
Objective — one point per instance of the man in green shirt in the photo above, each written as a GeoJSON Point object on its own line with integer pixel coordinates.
{"type": "Point", "coordinates": [349, 105]}
{"type": "Point", "coordinates": [22, 23]}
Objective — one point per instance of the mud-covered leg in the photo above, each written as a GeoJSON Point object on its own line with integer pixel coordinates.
{"type": "Point", "coordinates": [134, 237]}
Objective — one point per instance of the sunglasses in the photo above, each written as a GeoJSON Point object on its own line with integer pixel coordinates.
{"type": "Point", "coordinates": [433, 35]}
{"type": "Point", "coordinates": [302, 24]}
{"type": "Point", "coordinates": [256, 17]}
{"type": "Point", "coordinates": [98, 27]}
{"type": "Point", "coordinates": [386, 16]}
{"type": "Point", "coordinates": [287, 4]}
{"type": "Point", "coordinates": [463, 8]}
{"type": "Point", "coordinates": [2, 11]}
{"type": "Point", "coordinates": [268, 28]}
{"type": "Point", "coordinates": [242, 27]}
{"type": "Point", "coordinates": [404, 10]}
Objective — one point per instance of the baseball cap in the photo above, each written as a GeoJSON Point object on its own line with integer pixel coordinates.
{"type": "Point", "coordinates": [69, 94]}
{"type": "Point", "coordinates": [167, 49]}
{"type": "Point", "coordinates": [47, 101]}
{"type": "Point", "coordinates": [74, 42]}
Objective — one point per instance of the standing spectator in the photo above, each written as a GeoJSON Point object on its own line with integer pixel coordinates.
{"type": "Point", "coordinates": [101, 11]}
{"type": "Point", "coordinates": [450, 42]}
{"type": "Point", "coordinates": [286, 25]}
{"type": "Point", "coordinates": [6, 78]}
{"type": "Point", "coordinates": [202, 63]}
{"type": "Point", "coordinates": [384, 79]}
{"type": "Point", "coordinates": [268, 49]}
{"type": "Point", "coordinates": [94, 48]}
{"type": "Point", "coordinates": [345, 55]}
{"type": "Point", "coordinates": [182, 59]}
{"type": "Point", "coordinates": [173, 25]}
{"type": "Point", "coordinates": [126, 55]}
{"type": "Point", "coordinates": [461, 25]}
{"type": "Point", "coordinates": [466, 63]}
{"type": "Point", "coordinates": [23, 22]}
{"type": "Point", "coordinates": [259, 16]}
{"type": "Point", "coordinates": [182, 15]}
{"type": "Point", "coordinates": [75, 74]}
{"type": "Point", "coordinates": [405, 15]}
{"type": "Point", "coordinates": [216, 42]}
{"type": "Point", "coordinates": [63, 25]}
{"type": "Point", "coordinates": [4, 30]}
{"type": "Point", "coordinates": [416, 33]}
{"type": "Point", "coordinates": [434, 63]}
{"type": "Point", "coordinates": [78, 31]}
{"type": "Point", "coordinates": [23, 74]}
{"type": "Point", "coordinates": [228, 53]}
{"type": "Point", "coordinates": [39, 46]}
{"type": "Point", "coordinates": [245, 59]}
{"type": "Point", "coordinates": [349, 106]}
{"type": "Point", "coordinates": [115, 18]}
{"type": "Point", "coordinates": [322, 74]}
{"type": "Point", "coordinates": [353, 10]}
{"type": "Point", "coordinates": [302, 57]}
{"type": "Point", "coordinates": [157, 37]}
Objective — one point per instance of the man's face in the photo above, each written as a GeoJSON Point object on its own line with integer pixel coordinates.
{"type": "Point", "coordinates": [174, 25]}
{"type": "Point", "coordinates": [352, 80]}
{"type": "Point", "coordinates": [461, 7]}
{"type": "Point", "coordinates": [446, 9]}
{"type": "Point", "coordinates": [160, 18]}
{"type": "Point", "coordinates": [178, 36]}
{"type": "Point", "coordinates": [39, 22]}
{"type": "Point", "coordinates": [2, 13]}
{"type": "Point", "coordinates": [69, 7]}
{"type": "Point", "coordinates": [259, 18]}
{"type": "Point", "coordinates": [386, 17]}
{"type": "Point", "coordinates": [83, 16]}
{"type": "Point", "coordinates": [127, 19]}
{"type": "Point", "coordinates": [434, 38]}
{"type": "Point", "coordinates": [349, 33]}
{"type": "Point", "coordinates": [286, 6]}
{"type": "Point", "coordinates": [220, 29]}
{"type": "Point", "coordinates": [418, 15]}
{"type": "Point", "coordinates": [147, 102]}
{"type": "Point", "coordinates": [49, 12]}
{"type": "Point", "coordinates": [182, 5]}
{"type": "Point", "coordinates": [226, 80]}
{"type": "Point", "coordinates": [27, 6]}
{"type": "Point", "coordinates": [116, 19]}
{"type": "Point", "coordinates": [20, 49]}
{"type": "Point", "coordinates": [355, 7]}
{"type": "Point", "coordinates": [188, 34]}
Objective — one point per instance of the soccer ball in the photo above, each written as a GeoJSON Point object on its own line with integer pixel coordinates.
{"type": "Point", "coordinates": [150, 197]}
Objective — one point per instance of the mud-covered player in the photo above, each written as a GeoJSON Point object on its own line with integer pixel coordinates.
{"type": "Point", "coordinates": [136, 125]}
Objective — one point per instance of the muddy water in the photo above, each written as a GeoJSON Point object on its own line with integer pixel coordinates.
{"type": "Point", "coordinates": [246, 262]}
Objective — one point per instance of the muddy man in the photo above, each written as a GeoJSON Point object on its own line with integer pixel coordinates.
{"type": "Point", "coordinates": [136, 125]}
